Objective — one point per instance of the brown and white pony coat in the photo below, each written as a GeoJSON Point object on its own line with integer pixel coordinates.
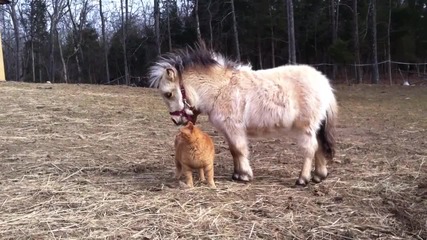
{"type": "Point", "coordinates": [241, 102]}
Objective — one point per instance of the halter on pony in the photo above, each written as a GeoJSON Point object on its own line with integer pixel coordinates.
{"type": "Point", "coordinates": [182, 112]}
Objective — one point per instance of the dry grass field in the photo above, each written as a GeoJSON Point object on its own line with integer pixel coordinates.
{"type": "Point", "coordinates": [96, 162]}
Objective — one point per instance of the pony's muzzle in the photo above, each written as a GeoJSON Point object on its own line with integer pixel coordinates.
{"type": "Point", "coordinates": [181, 117]}
{"type": "Point", "coordinates": [174, 121]}
{"type": "Point", "coordinates": [178, 120]}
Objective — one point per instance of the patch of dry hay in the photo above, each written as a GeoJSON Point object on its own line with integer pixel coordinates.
{"type": "Point", "coordinates": [96, 162]}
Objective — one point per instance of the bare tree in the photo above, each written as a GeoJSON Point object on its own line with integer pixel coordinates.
{"type": "Point", "coordinates": [58, 11]}
{"type": "Point", "coordinates": [196, 9]}
{"type": "Point", "coordinates": [236, 34]}
{"type": "Point", "coordinates": [259, 40]}
{"type": "Point", "coordinates": [291, 32]}
{"type": "Point", "coordinates": [33, 65]}
{"type": "Point", "coordinates": [388, 43]}
{"type": "Point", "coordinates": [17, 50]}
{"type": "Point", "coordinates": [375, 73]}
{"type": "Point", "coordinates": [273, 55]}
{"type": "Point", "coordinates": [29, 33]}
{"type": "Point", "coordinates": [169, 25]}
{"type": "Point", "coordinates": [356, 42]}
{"type": "Point", "coordinates": [104, 41]}
{"type": "Point", "coordinates": [334, 19]}
{"type": "Point", "coordinates": [61, 53]}
{"type": "Point", "coordinates": [124, 14]}
{"type": "Point", "coordinates": [210, 24]}
{"type": "Point", "coordinates": [78, 25]}
{"type": "Point", "coordinates": [157, 25]}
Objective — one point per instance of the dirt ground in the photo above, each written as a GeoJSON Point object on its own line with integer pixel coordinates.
{"type": "Point", "coordinates": [96, 162]}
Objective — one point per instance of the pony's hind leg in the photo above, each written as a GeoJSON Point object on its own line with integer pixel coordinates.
{"type": "Point", "coordinates": [320, 170]}
{"type": "Point", "coordinates": [239, 150]}
{"type": "Point", "coordinates": [309, 144]}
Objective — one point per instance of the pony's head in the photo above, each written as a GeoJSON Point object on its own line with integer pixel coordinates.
{"type": "Point", "coordinates": [167, 73]}
{"type": "Point", "coordinates": [172, 92]}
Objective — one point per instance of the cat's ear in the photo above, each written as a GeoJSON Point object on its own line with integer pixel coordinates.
{"type": "Point", "coordinates": [190, 126]}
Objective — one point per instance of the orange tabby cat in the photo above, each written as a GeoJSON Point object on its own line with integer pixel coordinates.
{"type": "Point", "coordinates": [194, 149]}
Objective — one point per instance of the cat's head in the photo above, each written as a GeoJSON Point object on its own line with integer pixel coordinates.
{"type": "Point", "coordinates": [188, 131]}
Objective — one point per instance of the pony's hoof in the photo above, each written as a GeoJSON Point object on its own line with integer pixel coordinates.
{"type": "Point", "coordinates": [241, 177]}
{"type": "Point", "coordinates": [301, 182]}
{"type": "Point", "coordinates": [318, 178]}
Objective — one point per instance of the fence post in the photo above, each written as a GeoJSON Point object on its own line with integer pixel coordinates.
{"type": "Point", "coordinates": [2, 74]}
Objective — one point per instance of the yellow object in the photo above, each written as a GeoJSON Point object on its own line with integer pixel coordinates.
{"type": "Point", "coordinates": [2, 75]}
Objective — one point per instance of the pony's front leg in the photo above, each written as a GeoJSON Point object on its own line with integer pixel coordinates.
{"type": "Point", "coordinates": [309, 143]}
{"type": "Point", "coordinates": [239, 150]}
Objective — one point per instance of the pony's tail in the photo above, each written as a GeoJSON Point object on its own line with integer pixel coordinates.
{"type": "Point", "coordinates": [326, 133]}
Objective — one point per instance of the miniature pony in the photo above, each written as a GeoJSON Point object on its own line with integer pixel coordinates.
{"type": "Point", "coordinates": [241, 102]}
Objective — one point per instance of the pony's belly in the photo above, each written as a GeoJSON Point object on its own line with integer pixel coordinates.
{"type": "Point", "coordinates": [267, 132]}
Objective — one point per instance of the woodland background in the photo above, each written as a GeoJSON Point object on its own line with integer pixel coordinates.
{"type": "Point", "coordinates": [114, 42]}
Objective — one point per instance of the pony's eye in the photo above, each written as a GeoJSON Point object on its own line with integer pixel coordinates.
{"type": "Point", "coordinates": [168, 95]}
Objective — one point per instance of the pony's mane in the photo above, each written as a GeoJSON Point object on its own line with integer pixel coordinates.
{"type": "Point", "coordinates": [183, 59]}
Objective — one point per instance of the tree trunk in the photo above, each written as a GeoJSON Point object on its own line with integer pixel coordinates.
{"type": "Point", "coordinates": [39, 60]}
{"type": "Point", "coordinates": [334, 21]}
{"type": "Point", "coordinates": [79, 68]}
{"type": "Point", "coordinates": [273, 54]}
{"type": "Point", "coordinates": [334, 32]}
{"type": "Point", "coordinates": [157, 25]}
{"type": "Point", "coordinates": [58, 7]}
{"type": "Point", "coordinates": [356, 43]}
{"type": "Point", "coordinates": [77, 39]}
{"type": "Point", "coordinates": [169, 25]}
{"type": "Point", "coordinates": [64, 65]}
{"type": "Point", "coordinates": [259, 51]}
{"type": "Point", "coordinates": [375, 73]}
{"type": "Point", "coordinates": [389, 44]}
{"type": "Point", "coordinates": [337, 17]}
{"type": "Point", "coordinates": [33, 67]}
{"type": "Point", "coordinates": [196, 8]}
{"type": "Point", "coordinates": [210, 25]}
{"type": "Point", "coordinates": [124, 27]}
{"type": "Point", "coordinates": [291, 32]}
{"type": "Point", "coordinates": [127, 74]}
{"type": "Point", "coordinates": [258, 34]}
{"type": "Point", "coordinates": [104, 41]}
{"type": "Point", "coordinates": [51, 56]}
{"type": "Point", "coordinates": [15, 23]}
{"type": "Point", "coordinates": [236, 34]}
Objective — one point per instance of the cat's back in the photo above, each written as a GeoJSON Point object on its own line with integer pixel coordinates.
{"type": "Point", "coordinates": [205, 143]}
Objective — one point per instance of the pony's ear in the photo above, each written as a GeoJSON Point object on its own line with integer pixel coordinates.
{"type": "Point", "coordinates": [171, 75]}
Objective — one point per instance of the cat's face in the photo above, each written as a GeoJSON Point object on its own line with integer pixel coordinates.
{"type": "Point", "coordinates": [188, 131]}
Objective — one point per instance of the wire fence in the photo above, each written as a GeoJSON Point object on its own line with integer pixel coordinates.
{"type": "Point", "coordinates": [401, 73]}
{"type": "Point", "coordinates": [133, 81]}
